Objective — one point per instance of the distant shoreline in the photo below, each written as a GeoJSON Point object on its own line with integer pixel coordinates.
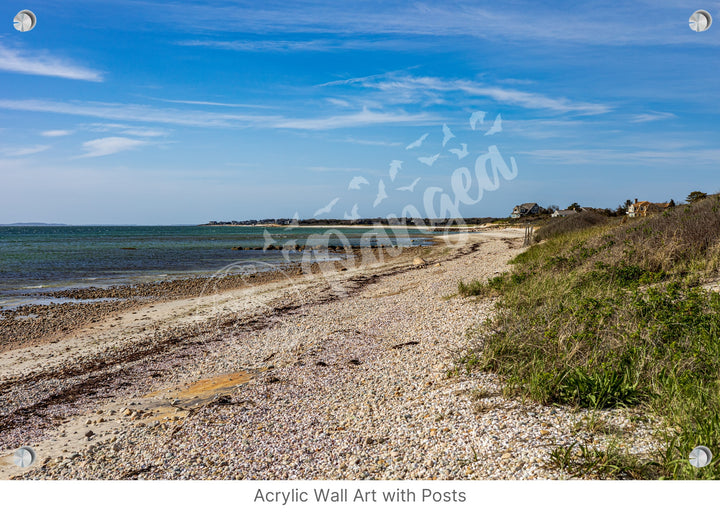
{"type": "Point", "coordinates": [428, 229]}
{"type": "Point", "coordinates": [408, 226]}
{"type": "Point", "coordinates": [321, 226]}
{"type": "Point", "coordinates": [35, 224]}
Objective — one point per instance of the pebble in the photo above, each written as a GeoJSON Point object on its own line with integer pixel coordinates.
{"type": "Point", "coordinates": [349, 405]}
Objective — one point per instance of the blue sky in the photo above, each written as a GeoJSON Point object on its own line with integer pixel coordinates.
{"type": "Point", "coordinates": [148, 112]}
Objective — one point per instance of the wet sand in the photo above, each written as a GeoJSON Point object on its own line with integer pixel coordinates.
{"type": "Point", "coordinates": [30, 325]}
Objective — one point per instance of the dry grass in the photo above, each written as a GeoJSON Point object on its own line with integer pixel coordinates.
{"type": "Point", "coordinates": [610, 315]}
{"type": "Point", "coordinates": [561, 225]}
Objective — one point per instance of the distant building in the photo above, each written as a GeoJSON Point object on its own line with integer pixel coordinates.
{"type": "Point", "coordinates": [563, 213]}
{"type": "Point", "coordinates": [642, 208]}
{"type": "Point", "coordinates": [525, 209]}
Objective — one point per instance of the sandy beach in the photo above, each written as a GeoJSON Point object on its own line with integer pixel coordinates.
{"type": "Point", "coordinates": [342, 374]}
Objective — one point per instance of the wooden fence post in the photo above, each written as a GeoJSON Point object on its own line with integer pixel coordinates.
{"type": "Point", "coordinates": [528, 235]}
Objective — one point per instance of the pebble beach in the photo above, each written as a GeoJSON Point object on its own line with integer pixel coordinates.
{"type": "Point", "coordinates": [343, 374]}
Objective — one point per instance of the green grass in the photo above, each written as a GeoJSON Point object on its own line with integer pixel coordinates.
{"type": "Point", "coordinates": [494, 285]}
{"type": "Point", "coordinates": [474, 288]}
{"type": "Point", "coordinates": [581, 461]}
{"type": "Point", "coordinates": [611, 316]}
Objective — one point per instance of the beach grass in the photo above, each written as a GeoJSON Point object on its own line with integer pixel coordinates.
{"type": "Point", "coordinates": [605, 314]}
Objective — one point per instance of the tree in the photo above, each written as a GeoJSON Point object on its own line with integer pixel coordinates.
{"type": "Point", "coordinates": [574, 206]}
{"type": "Point", "coordinates": [623, 207]}
{"type": "Point", "coordinates": [695, 195]}
{"type": "Point", "coordinates": [552, 208]}
{"type": "Point", "coordinates": [671, 203]}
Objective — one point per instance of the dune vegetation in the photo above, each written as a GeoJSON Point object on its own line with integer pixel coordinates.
{"type": "Point", "coordinates": [603, 313]}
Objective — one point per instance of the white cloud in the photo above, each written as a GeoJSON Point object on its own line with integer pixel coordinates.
{"type": "Point", "coordinates": [104, 128]}
{"type": "Point", "coordinates": [57, 132]}
{"type": "Point", "coordinates": [408, 89]}
{"type": "Point", "coordinates": [109, 145]}
{"type": "Point", "coordinates": [532, 100]}
{"type": "Point", "coordinates": [410, 22]}
{"type": "Point", "coordinates": [652, 116]}
{"type": "Point", "coordinates": [196, 118]}
{"type": "Point", "coordinates": [128, 112]}
{"type": "Point", "coordinates": [314, 45]}
{"type": "Point", "coordinates": [338, 102]}
{"type": "Point", "coordinates": [544, 129]}
{"type": "Point", "coordinates": [644, 156]}
{"type": "Point", "coordinates": [265, 45]}
{"type": "Point", "coordinates": [124, 129]}
{"type": "Point", "coordinates": [211, 103]}
{"type": "Point", "coordinates": [12, 60]}
{"type": "Point", "coordinates": [25, 151]}
{"type": "Point", "coordinates": [361, 141]}
{"type": "Point", "coordinates": [144, 132]}
{"type": "Point", "coordinates": [362, 118]}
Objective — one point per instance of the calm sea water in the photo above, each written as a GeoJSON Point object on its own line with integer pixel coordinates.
{"type": "Point", "coordinates": [34, 258]}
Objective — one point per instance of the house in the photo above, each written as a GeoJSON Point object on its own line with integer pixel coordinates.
{"type": "Point", "coordinates": [641, 208]}
{"type": "Point", "coordinates": [563, 213]}
{"type": "Point", "coordinates": [525, 209]}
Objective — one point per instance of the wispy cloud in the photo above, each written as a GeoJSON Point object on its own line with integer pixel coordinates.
{"type": "Point", "coordinates": [25, 151]}
{"type": "Point", "coordinates": [147, 133]}
{"type": "Point", "coordinates": [555, 127]}
{"type": "Point", "coordinates": [266, 45]}
{"type": "Point", "coordinates": [129, 112]}
{"type": "Point", "coordinates": [342, 43]}
{"type": "Point", "coordinates": [358, 119]}
{"type": "Point", "coordinates": [510, 80]}
{"type": "Point", "coordinates": [340, 169]}
{"type": "Point", "coordinates": [612, 24]}
{"type": "Point", "coordinates": [532, 100]}
{"type": "Point", "coordinates": [196, 118]}
{"type": "Point", "coordinates": [652, 116]}
{"type": "Point", "coordinates": [104, 127]}
{"type": "Point", "coordinates": [124, 129]}
{"type": "Point", "coordinates": [211, 103]}
{"type": "Point", "coordinates": [411, 89]}
{"type": "Point", "coordinates": [615, 156]}
{"type": "Point", "coordinates": [109, 145]}
{"type": "Point", "coordinates": [371, 142]}
{"type": "Point", "coordinates": [56, 133]}
{"type": "Point", "coordinates": [13, 60]}
{"type": "Point", "coordinates": [338, 102]}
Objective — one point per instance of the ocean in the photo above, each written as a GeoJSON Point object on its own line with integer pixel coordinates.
{"type": "Point", "coordinates": [46, 258]}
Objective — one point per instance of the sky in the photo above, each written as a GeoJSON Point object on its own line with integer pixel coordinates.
{"type": "Point", "coordinates": [143, 112]}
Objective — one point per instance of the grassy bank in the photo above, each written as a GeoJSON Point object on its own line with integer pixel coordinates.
{"type": "Point", "coordinates": [607, 313]}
